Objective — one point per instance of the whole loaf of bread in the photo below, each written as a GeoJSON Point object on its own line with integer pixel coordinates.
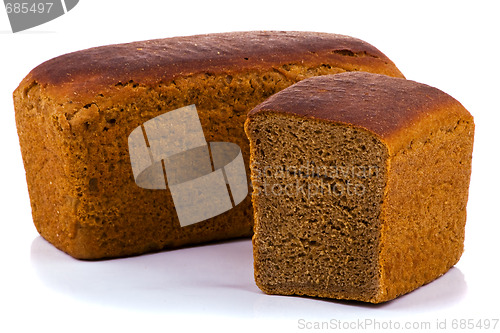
{"type": "Point", "coordinates": [75, 115]}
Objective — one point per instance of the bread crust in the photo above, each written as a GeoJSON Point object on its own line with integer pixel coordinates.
{"type": "Point", "coordinates": [161, 60]}
{"type": "Point", "coordinates": [390, 106]}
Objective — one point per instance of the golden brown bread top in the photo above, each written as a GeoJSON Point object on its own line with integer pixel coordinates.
{"type": "Point", "coordinates": [395, 109]}
{"type": "Point", "coordinates": [154, 61]}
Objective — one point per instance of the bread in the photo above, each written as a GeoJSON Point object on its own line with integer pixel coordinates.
{"type": "Point", "coordinates": [75, 113]}
{"type": "Point", "coordinates": [360, 185]}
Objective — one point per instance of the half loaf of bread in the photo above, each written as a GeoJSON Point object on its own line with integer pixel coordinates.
{"type": "Point", "coordinates": [360, 186]}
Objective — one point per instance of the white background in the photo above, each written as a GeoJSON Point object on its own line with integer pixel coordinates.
{"type": "Point", "coordinates": [452, 45]}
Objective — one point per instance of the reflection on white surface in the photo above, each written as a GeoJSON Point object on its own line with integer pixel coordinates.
{"type": "Point", "coordinates": [212, 279]}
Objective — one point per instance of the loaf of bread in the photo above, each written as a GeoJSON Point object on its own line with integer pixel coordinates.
{"type": "Point", "coordinates": [360, 185]}
{"type": "Point", "coordinates": [78, 115]}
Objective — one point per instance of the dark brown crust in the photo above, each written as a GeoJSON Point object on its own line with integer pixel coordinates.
{"type": "Point", "coordinates": [160, 60]}
{"type": "Point", "coordinates": [385, 108]}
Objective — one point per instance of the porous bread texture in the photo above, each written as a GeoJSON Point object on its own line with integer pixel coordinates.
{"type": "Point", "coordinates": [74, 114]}
{"type": "Point", "coordinates": [360, 186]}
